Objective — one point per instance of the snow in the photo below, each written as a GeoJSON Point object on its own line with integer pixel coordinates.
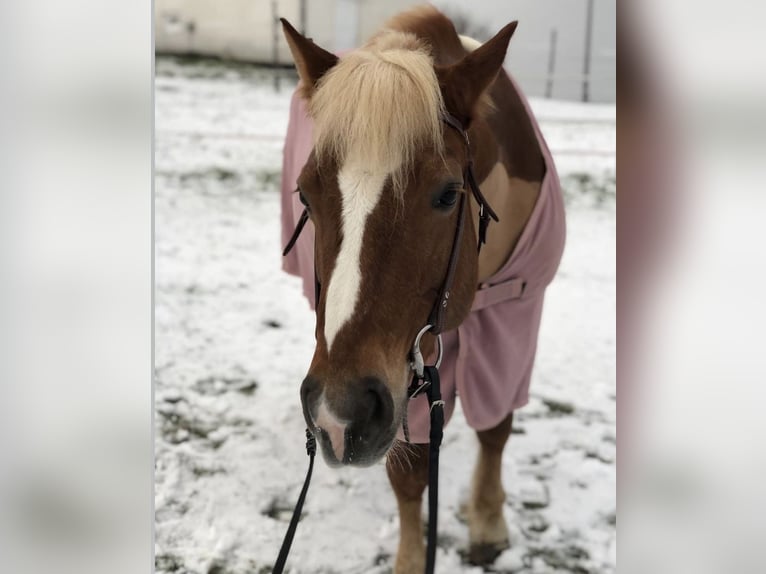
{"type": "Point", "coordinates": [234, 337]}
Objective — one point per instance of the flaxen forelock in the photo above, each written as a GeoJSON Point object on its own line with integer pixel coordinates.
{"type": "Point", "coordinates": [379, 105]}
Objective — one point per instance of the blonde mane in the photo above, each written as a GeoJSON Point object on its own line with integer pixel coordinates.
{"type": "Point", "coordinates": [378, 105]}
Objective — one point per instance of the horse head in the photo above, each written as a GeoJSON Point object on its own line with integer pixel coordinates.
{"type": "Point", "coordinates": [384, 187]}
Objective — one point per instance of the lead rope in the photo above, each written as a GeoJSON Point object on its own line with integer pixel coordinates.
{"type": "Point", "coordinates": [436, 405]}
{"type": "Point", "coordinates": [311, 449]}
{"type": "Point", "coordinates": [431, 385]}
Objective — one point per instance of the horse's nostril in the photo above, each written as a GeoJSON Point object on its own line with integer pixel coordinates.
{"type": "Point", "coordinates": [376, 406]}
{"type": "Point", "coordinates": [311, 390]}
{"type": "Point", "coordinates": [309, 387]}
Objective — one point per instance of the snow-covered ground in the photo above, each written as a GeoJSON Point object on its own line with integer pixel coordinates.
{"type": "Point", "coordinates": [234, 337]}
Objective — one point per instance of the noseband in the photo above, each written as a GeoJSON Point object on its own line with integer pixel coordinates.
{"type": "Point", "coordinates": [425, 378]}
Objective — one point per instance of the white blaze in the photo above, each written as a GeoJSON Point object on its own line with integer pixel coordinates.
{"type": "Point", "coordinates": [360, 192]}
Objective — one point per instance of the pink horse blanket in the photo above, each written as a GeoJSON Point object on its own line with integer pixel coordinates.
{"type": "Point", "coordinates": [488, 360]}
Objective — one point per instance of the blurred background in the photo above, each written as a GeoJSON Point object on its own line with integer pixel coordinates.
{"type": "Point", "coordinates": [77, 430]}
{"type": "Point", "coordinates": [564, 49]}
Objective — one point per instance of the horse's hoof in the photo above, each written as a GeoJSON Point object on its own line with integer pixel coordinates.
{"type": "Point", "coordinates": [486, 553]}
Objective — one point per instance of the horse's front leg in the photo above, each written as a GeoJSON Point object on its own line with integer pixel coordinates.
{"type": "Point", "coordinates": [408, 473]}
{"type": "Point", "coordinates": [488, 531]}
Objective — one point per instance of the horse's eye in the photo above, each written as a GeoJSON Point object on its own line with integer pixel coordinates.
{"type": "Point", "coordinates": [448, 197]}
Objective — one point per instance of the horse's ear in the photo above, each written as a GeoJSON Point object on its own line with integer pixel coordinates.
{"type": "Point", "coordinates": [464, 83]}
{"type": "Point", "coordinates": [311, 61]}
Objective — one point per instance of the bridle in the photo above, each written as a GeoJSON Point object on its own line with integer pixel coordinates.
{"type": "Point", "coordinates": [425, 378]}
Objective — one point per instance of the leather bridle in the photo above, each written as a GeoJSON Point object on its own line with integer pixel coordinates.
{"type": "Point", "coordinates": [425, 378]}
{"type": "Point", "coordinates": [435, 323]}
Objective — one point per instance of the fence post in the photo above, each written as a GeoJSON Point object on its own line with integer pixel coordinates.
{"type": "Point", "coordinates": [275, 42]}
{"type": "Point", "coordinates": [551, 63]}
{"type": "Point", "coordinates": [588, 41]}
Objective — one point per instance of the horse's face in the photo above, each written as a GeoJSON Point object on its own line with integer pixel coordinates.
{"type": "Point", "coordinates": [383, 187]}
{"type": "Point", "coordinates": [381, 259]}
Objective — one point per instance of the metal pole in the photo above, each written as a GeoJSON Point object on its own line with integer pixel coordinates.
{"type": "Point", "coordinates": [586, 63]}
{"type": "Point", "coordinates": [191, 28]}
{"type": "Point", "coordinates": [551, 63]}
{"type": "Point", "coordinates": [303, 17]}
{"type": "Point", "coordinates": [275, 42]}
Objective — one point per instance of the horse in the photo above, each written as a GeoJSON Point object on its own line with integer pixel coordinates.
{"type": "Point", "coordinates": [380, 146]}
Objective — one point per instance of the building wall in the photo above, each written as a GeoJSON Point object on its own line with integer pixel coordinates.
{"type": "Point", "coordinates": [245, 30]}
{"type": "Point", "coordinates": [530, 47]}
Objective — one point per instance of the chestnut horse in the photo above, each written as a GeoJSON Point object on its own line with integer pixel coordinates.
{"type": "Point", "coordinates": [384, 187]}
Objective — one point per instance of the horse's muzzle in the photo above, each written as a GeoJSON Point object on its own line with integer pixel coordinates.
{"type": "Point", "coordinates": [353, 421]}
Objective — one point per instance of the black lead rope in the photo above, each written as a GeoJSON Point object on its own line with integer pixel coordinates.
{"type": "Point", "coordinates": [311, 449]}
{"type": "Point", "coordinates": [436, 405]}
{"type": "Point", "coordinates": [430, 384]}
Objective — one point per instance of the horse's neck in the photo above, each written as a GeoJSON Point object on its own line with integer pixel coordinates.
{"type": "Point", "coordinates": [512, 177]}
{"type": "Point", "coordinates": [513, 199]}
{"type": "Point", "coordinates": [510, 167]}
{"type": "Point", "coordinates": [511, 173]}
